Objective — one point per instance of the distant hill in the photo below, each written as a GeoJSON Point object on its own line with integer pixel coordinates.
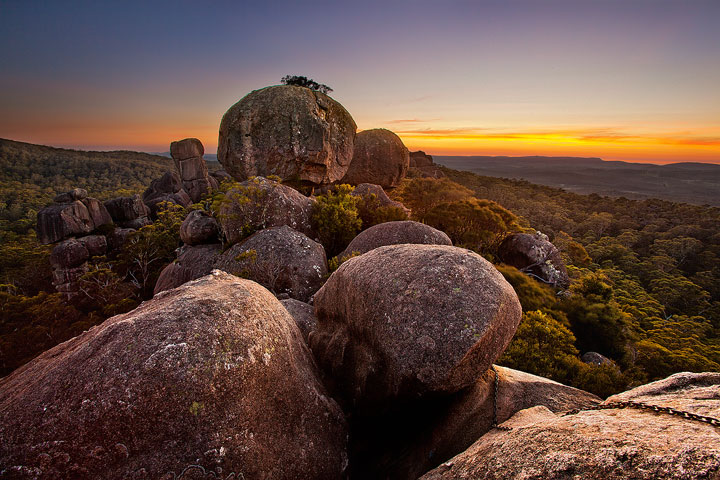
{"type": "Point", "coordinates": [31, 175]}
{"type": "Point", "coordinates": [697, 183]}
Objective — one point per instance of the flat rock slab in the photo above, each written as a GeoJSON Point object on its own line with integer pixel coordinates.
{"type": "Point", "coordinates": [606, 444]}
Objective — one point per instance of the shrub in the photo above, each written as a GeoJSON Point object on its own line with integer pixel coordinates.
{"type": "Point", "coordinates": [336, 219]}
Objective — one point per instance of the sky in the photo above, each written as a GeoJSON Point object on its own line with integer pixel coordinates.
{"type": "Point", "coordinates": [632, 80]}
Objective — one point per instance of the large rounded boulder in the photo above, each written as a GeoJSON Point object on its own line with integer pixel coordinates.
{"type": "Point", "coordinates": [212, 377]}
{"type": "Point", "coordinates": [608, 444]}
{"type": "Point", "coordinates": [199, 227]}
{"type": "Point", "coordinates": [289, 131]}
{"type": "Point", "coordinates": [260, 203]}
{"type": "Point", "coordinates": [379, 157]}
{"type": "Point", "coordinates": [193, 261]}
{"type": "Point", "coordinates": [535, 255]}
{"type": "Point", "coordinates": [402, 321]}
{"type": "Point", "coordinates": [395, 233]}
{"type": "Point", "coordinates": [282, 259]}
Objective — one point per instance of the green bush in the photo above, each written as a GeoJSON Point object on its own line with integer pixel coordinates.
{"type": "Point", "coordinates": [336, 219]}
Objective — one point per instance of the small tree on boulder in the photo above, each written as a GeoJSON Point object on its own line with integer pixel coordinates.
{"type": "Point", "coordinates": [301, 81]}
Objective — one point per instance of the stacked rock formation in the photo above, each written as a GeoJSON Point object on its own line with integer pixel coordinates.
{"type": "Point", "coordinates": [534, 255]}
{"type": "Point", "coordinates": [168, 188]}
{"type": "Point", "coordinates": [129, 212]}
{"type": "Point", "coordinates": [293, 132]}
{"type": "Point", "coordinates": [190, 165]}
{"type": "Point", "coordinates": [379, 157]}
{"type": "Point", "coordinates": [70, 221]}
{"type": "Point", "coordinates": [73, 214]}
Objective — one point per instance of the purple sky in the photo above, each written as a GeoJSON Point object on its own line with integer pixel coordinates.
{"type": "Point", "coordinates": [631, 80]}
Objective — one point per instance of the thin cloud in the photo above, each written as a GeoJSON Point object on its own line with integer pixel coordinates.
{"type": "Point", "coordinates": [590, 135]}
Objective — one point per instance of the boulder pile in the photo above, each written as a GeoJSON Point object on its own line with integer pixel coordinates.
{"type": "Point", "coordinates": [129, 212]}
{"type": "Point", "coordinates": [380, 369]}
{"type": "Point", "coordinates": [71, 221]}
{"type": "Point", "coordinates": [72, 214]}
{"type": "Point", "coordinates": [168, 188]}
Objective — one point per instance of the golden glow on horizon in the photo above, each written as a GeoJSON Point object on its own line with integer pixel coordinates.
{"type": "Point", "coordinates": [604, 143]}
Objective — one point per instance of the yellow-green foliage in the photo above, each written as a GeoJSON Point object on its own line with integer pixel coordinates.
{"type": "Point", "coordinates": [472, 223]}
{"type": "Point", "coordinates": [336, 219]}
{"type": "Point", "coordinates": [423, 194]}
{"type": "Point", "coordinates": [335, 262]}
{"type": "Point", "coordinates": [544, 346]}
{"type": "Point", "coordinates": [533, 295]}
{"type": "Point", "coordinates": [249, 205]}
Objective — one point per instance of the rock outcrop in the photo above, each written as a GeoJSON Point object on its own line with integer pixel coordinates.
{"type": "Point", "coordinates": [420, 159]}
{"type": "Point", "coordinates": [282, 259]}
{"type": "Point", "coordinates": [289, 131]}
{"type": "Point", "coordinates": [604, 444]}
{"type": "Point", "coordinates": [199, 227]}
{"type": "Point", "coordinates": [368, 189]}
{"type": "Point", "coordinates": [129, 212]}
{"type": "Point", "coordinates": [192, 262]}
{"type": "Point", "coordinates": [395, 233]}
{"type": "Point", "coordinates": [428, 433]}
{"type": "Point", "coordinates": [73, 214]}
{"type": "Point", "coordinates": [168, 188]}
{"type": "Point", "coordinates": [304, 315]}
{"type": "Point", "coordinates": [213, 374]}
{"type": "Point", "coordinates": [423, 165]}
{"type": "Point", "coordinates": [260, 203]}
{"type": "Point", "coordinates": [191, 167]}
{"type": "Point", "coordinates": [594, 358]}
{"type": "Point", "coordinates": [408, 320]}
{"type": "Point", "coordinates": [379, 157]}
{"type": "Point", "coordinates": [71, 196]}
{"type": "Point", "coordinates": [533, 254]}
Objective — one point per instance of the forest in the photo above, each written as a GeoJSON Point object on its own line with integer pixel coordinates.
{"type": "Point", "coordinates": [645, 288]}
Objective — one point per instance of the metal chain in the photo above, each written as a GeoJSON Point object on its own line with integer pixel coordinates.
{"type": "Point", "coordinates": [612, 405]}
{"type": "Point", "coordinates": [655, 408]}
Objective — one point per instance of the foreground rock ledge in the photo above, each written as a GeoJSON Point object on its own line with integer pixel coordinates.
{"type": "Point", "coordinates": [405, 320]}
{"type": "Point", "coordinates": [213, 373]}
{"type": "Point", "coordinates": [606, 444]}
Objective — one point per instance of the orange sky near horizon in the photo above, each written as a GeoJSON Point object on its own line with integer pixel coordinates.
{"type": "Point", "coordinates": [608, 144]}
